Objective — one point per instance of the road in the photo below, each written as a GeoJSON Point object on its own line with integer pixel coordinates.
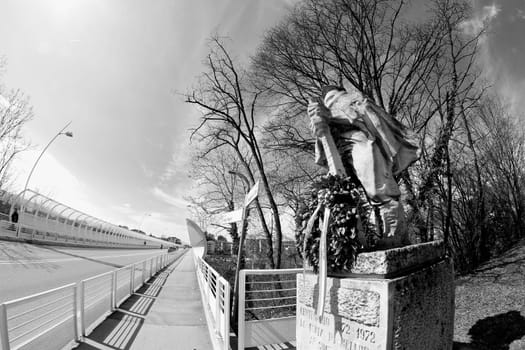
{"type": "Point", "coordinates": [26, 269]}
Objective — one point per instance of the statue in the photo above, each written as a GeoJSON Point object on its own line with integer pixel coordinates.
{"type": "Point", "coordinates": [359, 141]}
{"type": "Point", "coordinates": [373, 147]}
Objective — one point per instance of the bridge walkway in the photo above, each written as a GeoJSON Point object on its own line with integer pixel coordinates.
{"type": "Point", "coordinates": [167, 313]}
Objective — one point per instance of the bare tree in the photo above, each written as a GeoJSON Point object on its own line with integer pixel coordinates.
{"type": "Point", "coordinates": [422, 72]}
{"type": "Point", "coordinates": [15, 111]}
{"type": "Point", "coordinates": [216, 190]}
{"type": "Point", "coordinates": [229, 105]}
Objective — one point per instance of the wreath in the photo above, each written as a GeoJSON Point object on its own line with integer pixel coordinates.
{"type": "Point", "coordinates": [349, 222]}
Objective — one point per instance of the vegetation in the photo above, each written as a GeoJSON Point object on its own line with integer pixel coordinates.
{"type": "Point", "coordinates": [15, 111]}
{"type": "Point", "coordinates": [467, 188]}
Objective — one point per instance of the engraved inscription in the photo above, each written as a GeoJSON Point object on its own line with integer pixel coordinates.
{"type": "Point", "coordinates": [331, 332]}
{"type": "Point", "coordinates": [358, 305]}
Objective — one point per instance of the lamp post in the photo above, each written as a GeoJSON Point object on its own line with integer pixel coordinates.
{"type": "Point", "coordinates": [61, 132]}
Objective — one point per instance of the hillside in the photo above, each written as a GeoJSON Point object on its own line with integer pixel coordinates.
{"type": "Point", "coordinates": [490, 304]}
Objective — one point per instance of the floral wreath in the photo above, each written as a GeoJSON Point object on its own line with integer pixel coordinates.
{"type": "Point", "coordinates": [349, 222]}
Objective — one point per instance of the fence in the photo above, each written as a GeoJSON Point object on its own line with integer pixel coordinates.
{"type": "Point", "coordinates": [57, 318]}
{"type": "Point", "coordinates": [216, 292]}
{"type": "Point", "coordinates": [267, 305]}
{"type": "Point", "coordinates": [41, 218]}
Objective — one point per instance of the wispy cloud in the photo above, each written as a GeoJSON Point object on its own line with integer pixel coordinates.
{"type": "Point", "coordinates": [176, 168]}
{"type": "Point", "coordinates": [169, 199]}
{"type": "Point", "coordinates": [481, 19]}
{"type": "Point", "coordinates": [520, 14]}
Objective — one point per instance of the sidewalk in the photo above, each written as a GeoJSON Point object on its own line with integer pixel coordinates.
{"type": "Point", "coordinates": [166, 313]}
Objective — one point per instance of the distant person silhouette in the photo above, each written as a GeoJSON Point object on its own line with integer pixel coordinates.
{"type": "Point", "coordinates": [14, 216]}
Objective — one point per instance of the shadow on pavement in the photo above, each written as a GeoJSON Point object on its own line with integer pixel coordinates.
{"type": "Point", "coordinates": [120, 329]}
{"type": "Point", "coordinates": [24, 255]}
{"type": "Point", "coordinates": [83, 257]}
{"type": "Point", "coordinates": [495, 332]}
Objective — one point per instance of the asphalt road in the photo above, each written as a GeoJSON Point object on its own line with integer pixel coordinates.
{"type": "Point", "coordinates": [26, 269]}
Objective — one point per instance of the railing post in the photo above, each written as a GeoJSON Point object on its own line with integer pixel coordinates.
{"type": "Point", "coordinates": [132, 279]}
{"type": "Point", "coordinates": [208, 283]}
{"type": "Point", "coordinates": [240, 316]}
{"type": "Point", "coordinates": [218, 305]}
{"type": "Point", "coordinates": [113, 290]}
{"type": "Point", "coordinates": [4, 334]}
{"type": "Point", "coordinates": [226, 316]}
{"type": "Point", "coordinates": [144, 264]}
{"type": "Point", "coordinates": [75, 312]}
{"type": "Point", "coordinates": [82, 306]}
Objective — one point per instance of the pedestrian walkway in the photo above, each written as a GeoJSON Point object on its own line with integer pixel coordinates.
{"type": "Point", "coordinates": [166, 313]}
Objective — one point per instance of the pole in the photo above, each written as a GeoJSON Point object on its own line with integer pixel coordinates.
{"type": "Point", "coordinates": [245, 214]}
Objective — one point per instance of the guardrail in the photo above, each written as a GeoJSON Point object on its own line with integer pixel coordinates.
{"type": "Point", "coordinates": [59, 317]}
{"type": "Point", "coordinates": [267, 306]}
{"type": "Point", "coordinates": [216, 292]}
{"type": "Point", "coordinates": [56, 234]}
{"type": "Point", "coordinates": [42, 218]}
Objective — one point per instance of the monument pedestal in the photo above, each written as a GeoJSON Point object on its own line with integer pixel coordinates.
{"type": "Point", "coordinates": [400, 298]}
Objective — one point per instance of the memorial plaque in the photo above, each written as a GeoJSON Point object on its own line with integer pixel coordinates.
{"type": "Point", "coordinates": [361, 324]}
{"type": "Point", "coordinates": [411, 312]}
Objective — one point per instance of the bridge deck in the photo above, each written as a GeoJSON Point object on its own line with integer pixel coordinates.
{"type": "Point", "coordinates": [165, 314]}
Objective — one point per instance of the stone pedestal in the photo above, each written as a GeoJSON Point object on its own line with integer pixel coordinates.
{"type": "Point", "coordinates": [399, 298]}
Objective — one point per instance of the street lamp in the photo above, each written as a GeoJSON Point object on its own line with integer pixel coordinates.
{"type": "Point", "coordinates": [61, 132]}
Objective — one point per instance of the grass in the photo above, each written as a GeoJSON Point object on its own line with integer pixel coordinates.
{"type": "Point", "coordinates": [490, 304]}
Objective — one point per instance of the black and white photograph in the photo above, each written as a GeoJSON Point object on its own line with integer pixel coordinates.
{"type": "Point", "coordinates": [262, 174]}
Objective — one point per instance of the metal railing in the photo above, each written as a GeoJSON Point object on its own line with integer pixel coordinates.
{"type": "Point", "coordinates": [267, 305]}
{"type": "Point", "coordinates": [56, 318]}
{"type": "Point", "coordinates": [216, 292]}
{"type": "Point", "coordinates": [42, 218]}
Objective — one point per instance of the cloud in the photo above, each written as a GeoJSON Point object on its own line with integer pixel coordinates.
{"type": "Point", "coordinates": [520, 14]}
{"type": "Point", "coordinates": [176, 167]}
{"type": "Point", "coordinates": [480, 20]}
{"type": "Point", "coordinates": [169, 199]}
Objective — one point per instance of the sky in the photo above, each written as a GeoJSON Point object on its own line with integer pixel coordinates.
{"type": "Point", "coordinates": [503, 48]}
{"type": "Point", "coordinates": [114, 68]}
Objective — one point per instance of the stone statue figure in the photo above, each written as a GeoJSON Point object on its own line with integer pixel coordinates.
{"type": "Point", "coordinates": [373, 147]}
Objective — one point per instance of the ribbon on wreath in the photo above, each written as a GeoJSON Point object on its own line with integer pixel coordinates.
{"type": "Point", "coordinates": [335, 167]}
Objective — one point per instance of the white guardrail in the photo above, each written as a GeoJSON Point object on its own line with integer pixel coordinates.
{"type": "Point", "coordinates": [216, 292]}
{"type": "Point", "coordinates": [41, 218]}
{"type": "Point", "coordinates": [267, 306]}
{"type": "Point", "coordinates": [37, 229]}
{"type": "Point", "coordinates": [57, 318]}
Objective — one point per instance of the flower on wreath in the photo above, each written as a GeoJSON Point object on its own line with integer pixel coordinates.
{"type": "Point", "coordinates": [349, 222]}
